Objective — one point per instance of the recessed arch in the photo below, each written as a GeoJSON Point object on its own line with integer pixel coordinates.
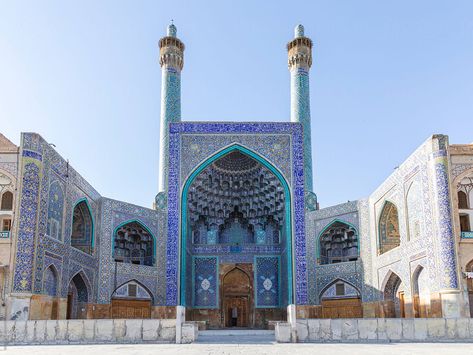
{"type": "Point", "coordinates": [135, 281]}
{"type": "Point", "coordinates": [388, 228]}
{"type": "Point", "coordinates": [420, 292]}
{"type": "Point", "coordinates": [79, 294]}
{"type": "Point", "coordinates": [50, 280]}
{"type": "Point", "coordinates": [81, 273]}
{"type": "Point", "coordinates": [330, 225]}
{"type": "Point", "coordinates": [83, 209]}
{"type": "Point", "coordinates": [184, 201]}
{"type": "Point", "coordinates": [393, 295]}
{"type": "Point", "coordinates": [142, 225]}
{"type": "Point", "coordinates": [6, 201]}
{"type": "Point", "coordinates": [336, 281]}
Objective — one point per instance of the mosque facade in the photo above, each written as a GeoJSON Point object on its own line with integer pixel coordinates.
{"type": "Point", "coordinates": [236, 235]}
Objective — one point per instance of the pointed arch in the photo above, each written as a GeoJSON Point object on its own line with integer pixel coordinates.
{"type": "Point", "coordinates": [146, 228]}
{"type": "Point", "coordinates": [388, 228]}
{"type": "Point", "coordinates": [134, 281]}
{"type": "Point", "coordinates": [184, 199]}
{"type": "Point", "coordinates": [393, 296]}
{"type": "Point", "coordinates": [338, 281]}
{"type": "Point", "coordinates": [50, 280]}
{"type": "Point", "coordinates": [82, 276]}
{"type": "Point", "coordinates": [83, 227]}
{"type": "Point", "coordinates": [421, 292]}
{"type": "Point", "coordinates": [349, 252]}
{"type": "Point", "coordinates": [7, 201]}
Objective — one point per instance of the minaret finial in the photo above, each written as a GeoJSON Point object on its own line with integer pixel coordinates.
{"type": "Point", "coordinates": [299, 31]}
{"type": "Point", "coordinates": [172, 30]}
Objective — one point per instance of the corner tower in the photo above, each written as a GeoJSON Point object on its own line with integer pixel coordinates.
{"type": "Point", "coordinates": [171, 59]}
{"type": "Point", "coordinates": [299, 52]}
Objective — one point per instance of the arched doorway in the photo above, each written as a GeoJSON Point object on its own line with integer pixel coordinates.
{"type": "Point", "coordinates": [77, 298]}
{"type": "Point", "coordinates": [421, 290]}
{"type": "Point", "coordinates": [236, 212]}
{"type": "Point", "coordinates": [131, 300]}
{"type": "Point", "coordinates": [341, 299]}
{"type": "Point", "coordinates": [50, 286]}
{"type": "Point", "coordinates": [236, 298]}
{"type": "Point", "coordinates": [393, 292]}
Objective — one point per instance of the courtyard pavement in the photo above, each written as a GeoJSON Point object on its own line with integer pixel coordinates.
{"type": "Point", "coordinates": [216, 348]}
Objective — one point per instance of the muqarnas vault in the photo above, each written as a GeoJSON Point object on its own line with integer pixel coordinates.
{"type": "Point", "coordinates": [235, 235]}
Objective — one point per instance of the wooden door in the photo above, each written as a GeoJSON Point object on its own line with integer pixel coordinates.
{"type": "Point", "coordinates": [342, 308]}
{"type": "Point", "coordinates": [70, 305]}
{"type": "Point", "coordinates": [242, 306]}
{"type": "Point", "coordinates": [402, 305]}
{"type": "Point", "coordinates": [131, 309]}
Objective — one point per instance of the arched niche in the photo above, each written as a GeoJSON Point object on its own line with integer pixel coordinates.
{"type": "Point", "coordinates": [338, 242]}
{"type": "Point", "coordinates": [82, 236]}
{"type": "Point", "coordinates": [134, 243]}
{"type": "Point", "coordinates": [389, 236]}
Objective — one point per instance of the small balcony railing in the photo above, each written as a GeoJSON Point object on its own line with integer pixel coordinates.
{"type": "Point", "coordinates": [467, 235]}
{"type": "Point", "coordinates": [5, 234]}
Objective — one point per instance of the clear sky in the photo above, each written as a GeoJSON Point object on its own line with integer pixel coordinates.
{"type": "Point", "coordinates": [386, 75]}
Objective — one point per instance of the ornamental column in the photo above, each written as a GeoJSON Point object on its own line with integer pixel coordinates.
{"type": "Point", "coordinates": [299, 52]}
{"type": "Point", "coordinates": [171, 59]}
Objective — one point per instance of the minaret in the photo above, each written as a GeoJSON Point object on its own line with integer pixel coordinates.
{"type": "Point", "coordinates": [171, 59]}
{"type": "Point", "coordinates": [299, 52]}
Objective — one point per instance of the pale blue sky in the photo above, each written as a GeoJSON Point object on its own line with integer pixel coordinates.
{"type": "Point", "coordinates": [386, 75]}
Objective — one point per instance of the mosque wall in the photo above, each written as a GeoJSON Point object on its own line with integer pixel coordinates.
{"type": "Point", "coordinates": [113, 275]}
{"type": "Point", "coordinates": [8, 187]}
{"type": "Point", "coordinates": [48, 188]}
{"type": "Point", "coordinates": [461, 162]}
{"type": "Point", "coordinates": [419, 190]}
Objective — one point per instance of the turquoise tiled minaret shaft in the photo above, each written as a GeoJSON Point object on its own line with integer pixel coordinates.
{"type": "Point", "coordinates": [299, 62]}
{"type": "Point", "coordinates": [171, 59]}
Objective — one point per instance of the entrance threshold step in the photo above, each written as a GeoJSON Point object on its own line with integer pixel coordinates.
{"type": "Point", "coordinates": [237, 336]}
{"type": "Point", "coordinates": [236, 332]}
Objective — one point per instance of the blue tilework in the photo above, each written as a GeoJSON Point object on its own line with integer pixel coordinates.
{"type": "Point", "coordinates": [23, 278]}
{"type": "Point", "coordinates": [267, 275]}
{"type": "Point", "coordinates": [205, 282]}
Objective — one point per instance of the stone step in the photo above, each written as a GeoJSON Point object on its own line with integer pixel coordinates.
{"type": "Point", "coordinates": [236, 336]}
